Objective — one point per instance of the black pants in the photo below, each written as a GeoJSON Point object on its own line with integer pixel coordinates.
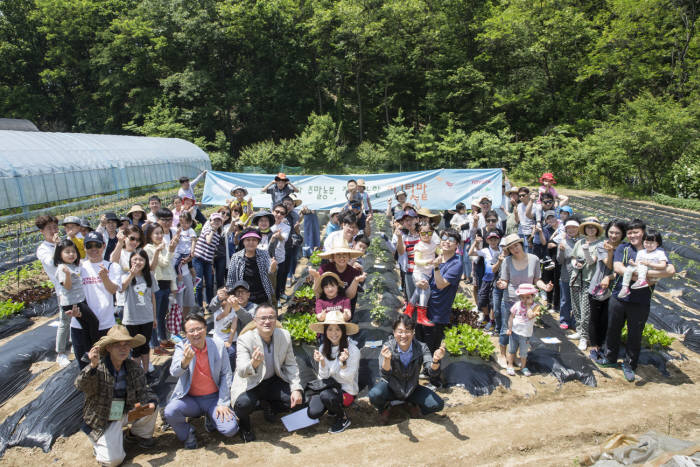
{"type": "Point", "coordinates": [274, 390]}
{"type": "Point", "coordinates": [220, 271]}
{"type": "Point", "coordinates": [87, 320]}
{"type": "Point", "coordinates": [330, 400]}
{"type": "Point", "coordinates": [82, 345]}
{"type": "Point", "coordinates": [635, 314]}
{"type": "Point", "coordinates": [431, 335]}
{"type": "Point", "coordinates": [598, 327]}
{"type": "Point", "coordinates": [200, 217]}
{"type": "Point", "coordinates": [146, 330]}
{"type": "Point", "coordinates": [281, 279]}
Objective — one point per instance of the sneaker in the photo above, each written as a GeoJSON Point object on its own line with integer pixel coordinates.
{"type": "Point", "coordinates": [605, 363]}
{"type": "Point", "coordinates": [481, 317]}
{"type": "Point", "coordinates": [628, 372]}
{"type": "Point", "coordinates": [340, 425]}
{"type": "Point", "coordinates": [191, 441]}
{"type": "Point", "coordinates": [491, 324]}
{"type": "Point", "coordinates": [575, 335]}
{"type": "Point", "coordinates": [209, 425]}
{"type": "Point", "coordinates": [594, 355]}
{"type": "Point", "coordinates": [563, 326]}
{"type": "Point", "coordinates": [639, 285]}
{"type": "Point", "coordinates": [62, 360]}
{"type": "Point", "coordinates": [247, 436]}
{"type": "Point", "coordinates": [583, 344]}
{"type": "Point", "coordinates": [197, 281]}
{"type": "Point", "coordinates": [624, 292]}
{"type": "Point", "coordinates": [510, 371]}
{"type": "Point", "coordinates": [526, 372]}
{"type": "Point", "coordinates": [129, 437]}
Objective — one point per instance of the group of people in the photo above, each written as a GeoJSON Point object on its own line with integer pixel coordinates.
{"type": "Point", "coordinates": [530, 255]}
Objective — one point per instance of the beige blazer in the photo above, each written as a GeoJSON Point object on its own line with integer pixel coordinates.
{"type": "Point", "coordinates": [246, 377]}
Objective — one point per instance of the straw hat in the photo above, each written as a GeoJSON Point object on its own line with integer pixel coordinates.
{"type": "Point", "coordinates": [426, 213]}
{"type": "Point", "coordinates": [526, 289]}
{"type": "Point", "coordinates": [334, 317]}
{"type": "Point", "coordinates": [136, 208]}
{"type": "Point", "coordinates": [119, 333]}
{"type": "Point", "coordinates": [341, 247]}
{"type": "Point", "coordinates": [513, 189]}
{"type": "Point", "coordinates": [331, 274]}
{"type": "Point", "coordinates": [591, 221]}
{"type": "Point", "coordinates": [295, 198]}
{"type": "Point", "coordinates": [511, 240]}
{"type": "Point", "coordinates": [361, 182]}
{"type": "Point", "coordinates": [237, 188]}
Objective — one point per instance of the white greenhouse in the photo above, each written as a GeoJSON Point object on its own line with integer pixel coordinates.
{"type": "Point", "coordinates": [37, 167]}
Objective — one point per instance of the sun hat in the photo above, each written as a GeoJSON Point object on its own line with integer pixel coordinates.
{"type": "Point", "coordinates": [281, 177]}
{"type": "Point", "coordinates": [399, 193]}
{"type": "Point", "coordinates": [335, 211]}
{"type": "Point", "coordinates": [341, 246]}
{"type": "Point", "coordinates": [71, 220]}
{"type": "Point", "coordinates": [187, 196]}
{"type": "Point", "coordinates": [239, 187]}
{"type": "Point", "coordinates": [333, 275]}
{"type": "Point", "coordinates": [511, 240]}
{"type": "Point", "coordinates": [295, 199]}
{"type": "Point", "coordinates": [94, 237]}
{"type": "Point", "coordinates": [548, 213]}
{"type": "Point", "coordinates": [334, 317]}
{"type": "Point", "coordinates": [567, 209]}
{"type": "Point", "coordinates": [493, 233]}
{"type": "Point", "coordinates": [261, 214]}
{"type": "Point", "coordinates": [547, 176]}
{"type": "Point", "coordinates": [361, 182]}
{"type": "Point", "coordinates": [591, 221]}
{"type": "Point", "coordinates": [216, 215]}
{"type": "Point", "coordinates": [424, 212]}
{"type": "Point", "coordinates": [251, 234]}
{"type": "Point", "coordinates": [513, 189]}
{"type": "Point", "coordinates": [135, 208]}
{"type": "Point", "coordinates": [119, 333]}
{"type": "Point", "coordinates": [487, 198]}
{"type": "Point", "coordinates": [474, 203]}
{"type": "Point", "coordinates": [526, 289]}
{"type": "Point", "coordinates": [110, 216]}
{"type": "Point", "coordinates": [572, 222]}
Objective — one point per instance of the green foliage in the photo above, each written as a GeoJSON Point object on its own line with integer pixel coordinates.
{"type": "Point", "coordinates": [461, 302]}
{"type": "Point", "coordinates": [652, 338]}
{"type": "Point", "coordinates": [377, 249]}
{"type": "Point", "coordinates": [9, 308]}
{"type": "Point", "coordinates": [692, 204]}
{"type": "Point", "coordinates": [463, 339]}
{"type": "Point", "coordinates": [315, 258]}
{"type": "Point", "coordinates": [378, 313]}
{"type": "Point", "coordinates": [305, 292]}
{"type": "Point", "coordinates": [298, 326]}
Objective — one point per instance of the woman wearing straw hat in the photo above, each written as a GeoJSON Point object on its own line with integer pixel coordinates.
{"type": "Point", "coordinates": [518, 268]}
{"type": "Point", "coordinates": [116, 394]}
{"type": "Point", "coordinates": [254, 266]}
{"type": "Point", "coordinates": [584, 260]}
{"type": "Point", "coordinates": [339, 256]}
{"type": "Point", "coordinates": [137, 215]}
{"type": "Point", "coordinates": [338, 368]}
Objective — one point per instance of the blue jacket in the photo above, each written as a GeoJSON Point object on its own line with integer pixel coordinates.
{"type": "Point", "coordinates": [219, 366]}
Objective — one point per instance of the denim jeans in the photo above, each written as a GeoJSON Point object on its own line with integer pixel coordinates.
{"type": "Point", "coordinates": [291, 261]}
{"type": "Point", "coordinates": [178, 410]}
{"type": "Point", "coordinates": [565, 315]}
{"type": "Point", "coordinates": [429, 402]}
{"type": "Point", "coordinates": [220, 271]}
{"type": "Point", "coordinates": [467, 265]}
{"type": "Point", "coordinates": [498, 304]}
{"type": "Point", "coordinates": [203, 269]}
{"type": "Point", "coordinates": [526, 246]}
{"type": "Point", "coordinates": [312, 232]}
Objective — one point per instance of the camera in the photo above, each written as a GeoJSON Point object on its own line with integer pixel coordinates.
{"type": "Point", "coordinates": [548, 263]}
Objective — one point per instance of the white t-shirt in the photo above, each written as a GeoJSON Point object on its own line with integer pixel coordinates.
{"type": "Point", "coordinates": [656, 256]}
{"type": "Point", "coordinates": [98, 299]}
{"type": "Point", "coordinates": [44, 253]}
{"type": "Point", "coordinates": [526, 224]}
{"type": "Point", "coordinates": [284, 228]}
{"type": "Point", "coordinates": [522, 325]}
{"type": "Point", "coordinates": [124, 258]}
{"type": "Point", "coordinates": [184, 246]}
{"type": "Point", "coordinates": [222, 327]}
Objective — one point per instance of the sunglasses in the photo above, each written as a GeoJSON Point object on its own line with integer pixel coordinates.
{"type": "Point", "coordinates": [428, 233]}
{"type": "Point", "coordinates": [135, 239]}
{"type": "Point", "coordinates": [281, 213]}
{"type": "Point", "coordinates": [549, 201]}
{"type": "Point", "coordinates": [227, 214]}
{"type": "Point", "coordinates": [491, 221]}
{"type": "Point", "coordinates": [522, 195]}
{"type": "Point", "coordinates": [91, 245]}
{"type": "Point", "coordinates": [447, 238]}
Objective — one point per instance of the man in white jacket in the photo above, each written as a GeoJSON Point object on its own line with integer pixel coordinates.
{"type": "Point", "coordinates": [266, 370]}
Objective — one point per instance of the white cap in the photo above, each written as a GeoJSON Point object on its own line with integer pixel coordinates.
{"type": "Point", "coordinates": [335, 211]}
{"type": "Point", "coordinates": [571, 222]}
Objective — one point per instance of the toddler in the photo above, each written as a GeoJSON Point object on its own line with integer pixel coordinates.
{"type": "Point", "coordinates": [520, 327]}
{"type": "Point", "coordinates": [651, 257]}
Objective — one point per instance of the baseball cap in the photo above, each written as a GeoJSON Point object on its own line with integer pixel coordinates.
{"type": "Point", "coordinates": [94, 237]}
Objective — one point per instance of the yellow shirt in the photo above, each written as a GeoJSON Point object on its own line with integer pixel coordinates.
{"type": "Point", "coordinates": [246, 207]}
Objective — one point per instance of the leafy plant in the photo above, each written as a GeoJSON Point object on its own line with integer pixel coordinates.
{"type": "Point", "coordinates": [463, 311]}
{"type": "Point", "coordinates": [305, 292]}
{"type": "Point", "coordinates": [652, 338]}
{"type": "Point", "coordinates": [9, 308]}
{"type": "Point", "coordinates": [461, 302]}
{"type": "Point", "coordinates": [462, 338]}
{"type": "Point", "coordinates": [315, 258]}
{"type": "Point", "coordinates": [683, 203]}
{"type": "Point", "coordinates": [298, 326]}
{"type": "Point", "coordinates": [378, 313]}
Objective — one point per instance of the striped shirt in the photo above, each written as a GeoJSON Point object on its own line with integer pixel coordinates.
{"type": "Point", "coordinates": [410, 241]}
{"type": "Point", "coordinates": [203, 250]}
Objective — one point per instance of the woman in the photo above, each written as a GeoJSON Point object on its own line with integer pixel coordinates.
{"type": "Point", "coordinates": [160, 258]}
{"type": "Point", "coordinates": [584, 260]}
{"type": "Point", "coordinates": [599, 289]}
{"type": "Point", "coordinates": [402, 204]}
{"type": "Point", "coordinates": [254, 266]}
{"type": "Point", "coordinates": [280, 233]}
{"type": "Point", "coordinates": [338, 368]}
{"type": "Point", "coordinates": [220, 257]}
{"type": "Point", "coordinates": [518, 268]}
{"type": "Point", "coordinates": [128, 242]}
{"type": "Point", "coordinates": [339, 257]}
{"type": "Point", "coordinates": [136, 215]}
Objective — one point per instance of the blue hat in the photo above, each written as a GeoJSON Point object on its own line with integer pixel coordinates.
{"type": "Point", "coordinates": [567, 209]}
{"type": "Point", "coordinates": [94, 237]}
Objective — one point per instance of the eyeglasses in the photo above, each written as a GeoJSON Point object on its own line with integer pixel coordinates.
{"type": "Point", "coordinates": [135, 239]}
{"type": "Point", "coordinates": [263, 319]}
{"type": "Point", "coordinates": [522, 195]}
{"type": "Point", "coordinates": [447, 238]}
{"type": "Point", "coordinates": [491, 221]}
{"type": "Point", "coordinates": [281, 213]}
{"type": "Point", "coordinates": [196, 330]}
{"type": "Point", "coordinates": [406, 332]}
{"type": "Point", "coordinates": [91, 245]}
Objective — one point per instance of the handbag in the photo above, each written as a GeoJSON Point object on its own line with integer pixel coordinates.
{"type": "Point", "coordinates": [319, 385]}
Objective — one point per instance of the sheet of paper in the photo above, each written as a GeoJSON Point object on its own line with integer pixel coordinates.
{"type": "Point", "coordinates": [550, 340]}
{"type": "Point", "coordinates": [373, 344]}
{"type": "Point", "coordinates": [298, 420]}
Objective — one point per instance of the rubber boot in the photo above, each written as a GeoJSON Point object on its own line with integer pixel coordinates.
{"type": "Point", "coordinates": [410, 308]}
{"type": "Point", "coordinates": [422, 318]}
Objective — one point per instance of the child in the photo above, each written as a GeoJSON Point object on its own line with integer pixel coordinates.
{"type": "Point", "coordinates": [72, 226]}
{"type": "Point", "coordinates": [176, 208]}
{"type": "Point", "coordinates": [652, 256]}
{"type": "Point", "coordinates": [520, 327]}
{"type": "Point", "coordinates": [204, 250]}
{"type": "Point", "coordinates": [364, 196]}
{"type": "Point", "coordinates": [184, 251]}
{"type": "Point", "coordinates": [361, 244]}
{"type": "Point", "coordinates": [425, 252]}
{"type": "Point", "coordinates": [332, 297]}
{"type": "Point", "coordinates": [460, 222]}
{"type": "Point", "coordinates": [547, 181]}
{"type": "Point", "coordinates": [565, 248]}
{"type": "Point", "coordinates": [69, 288]}
{"type": "Point", "coordinates": [225, 322]}
{"type": "Point", "coordinates": [246, 206]}
{"type": "Point", "coordinates": [492, 263]}
{"type": "Point", "coordinates": [139, 287]}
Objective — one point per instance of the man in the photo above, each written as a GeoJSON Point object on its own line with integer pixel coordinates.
{"type": "Point", "coordinates": [203, 387]}
{"type": "Point", "coordinates": [109, 223]}
{"type": "Point", "coordinates": [401, 359]}
{"type": "Point", "coordinates": [186, 189]}
{"type": "Point", "coordinates": [116, 394]}
{"type": "Point", "coordinates": [443, 288]}
{"type": "Point", "coordinates": [280, 187]}
{"type": "Point", "coordinates": [266, 370]}
{"type": "Point", "coordinates": [363, 221]}
{"type": "Point", "coordinates": [632, 309]}
{"type": "Point", "coordinates": [347, 232]}
{"type": "Point", "coordinates": [101, 280]}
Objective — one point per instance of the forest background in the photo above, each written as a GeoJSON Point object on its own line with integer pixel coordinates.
{"type": "Point", "coordinates": [604, 93]}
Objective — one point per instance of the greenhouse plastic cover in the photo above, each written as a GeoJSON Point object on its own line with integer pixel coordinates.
{"type": "Point", "coordinates": [38, 167]}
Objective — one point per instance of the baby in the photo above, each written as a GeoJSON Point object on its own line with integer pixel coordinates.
{"type": "Point", "coordinates": [651, 257]}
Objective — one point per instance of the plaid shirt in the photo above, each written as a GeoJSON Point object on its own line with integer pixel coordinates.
{"type": "Point", "coordinates": [173, 321]}
{"type": "Point", "coordinates": [98, 386]}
